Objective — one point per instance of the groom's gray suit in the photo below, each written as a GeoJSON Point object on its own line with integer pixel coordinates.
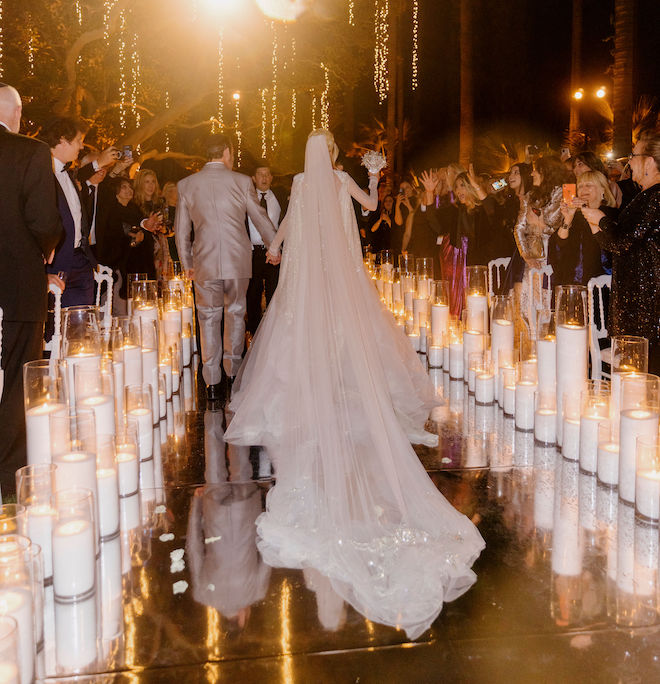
{"type": "Point", "coordinates": [215, 201]}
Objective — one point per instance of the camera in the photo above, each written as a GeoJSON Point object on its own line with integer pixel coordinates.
{"type": "Point", "coordinates": [499, 184]}
{"type": "Point", "coordinates": [128, 152]}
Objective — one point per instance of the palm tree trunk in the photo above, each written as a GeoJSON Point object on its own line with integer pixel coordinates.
{"type": "Point", "coordinates": [576, 67]}
{"type": "Point", "coordinates": [622, 77]}
{"type": "Point", "coordinates": [466, 129]}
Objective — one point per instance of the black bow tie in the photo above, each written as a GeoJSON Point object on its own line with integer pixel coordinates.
{"type": "Point", "coordinates": [67, 166]}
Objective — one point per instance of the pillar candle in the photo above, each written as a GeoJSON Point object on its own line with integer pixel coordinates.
{"type": "Point", "coordinates": [17, 603]}
{"type": "Point", "coordinates": [524, 401]}
{"type": "Point", "coordinates": [108, 493]}
{"type": "Point", "coordinates": [37, 428]}
{"type": "Point", "coordinates": [634, 423]}
{"type": "Point", "coordinates": [589, 442]}
{"type": "Point", "coordinates": [456, 360]}
{"type": "Point", "coordinates": [74, 555]}
{"type": "Point", "coordinates": [439, 320]}
{"type": "Point", "coordinates": [545, 420]}
{"type": "Point", "coordinates": [104, 412]}
{"type": "Point", "coordinates": [647, 493]}
{"type": "Point", "coordinates": [571, 365]}
{"type": "Point", "coordinates": [484, 388]}
{"type": "Point", "coordinates": [546, 352]}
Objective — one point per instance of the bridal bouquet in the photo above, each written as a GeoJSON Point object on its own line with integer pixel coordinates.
{"type": "Point", "coordinates": [373, 161]}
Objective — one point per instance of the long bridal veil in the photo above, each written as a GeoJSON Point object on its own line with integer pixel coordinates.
{"type": "Point", "coordinates": [332, 388]}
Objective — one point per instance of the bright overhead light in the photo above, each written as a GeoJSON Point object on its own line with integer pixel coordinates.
{"type": "Point", "coordinates": [601, 92]}
{"type": "Point", "coordinates": [236, 96]}
{"type": "Point", "coordinates": [283, 10]}
{"type": "Point", "coordinates": [579, 94]}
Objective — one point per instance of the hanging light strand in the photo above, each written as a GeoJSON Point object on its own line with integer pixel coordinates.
{"type": "Point", "coordinates": [167, 132]}
{"type": "Point", "coordinates": [122, 70]}
{"type": "Point", "coordinates": [351, 12]}
{"type": "Point", "coordinates": [107, 9]}
{"type": "Point", "coordinates": [294, 97]}
{"type": "Point", "coordinates": [237, 125]}
{"type": "Point", "coordinates": [79, 15]}
{"type": "Point", "coordinates": [415, 43]}
{"type": "Point", "coordinates": [325, 101]}
{"type": "Point", "coordinates": [273, 105]}
{"type": "Point", "coordinates": [382, 35]}
{"type": "Point", "coordinates": [264, 122]}
{"type": "Point", "coordinates": [135, 80]}
{"type": "Point", "coordinates": [314, 100]}
{"type": "Point", "coordinates": [31, 50]}
{"type": "Point", "coordinates": [221, 80]}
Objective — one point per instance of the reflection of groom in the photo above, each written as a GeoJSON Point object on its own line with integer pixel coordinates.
{"type": "Point", "coordinates": [215, 200]}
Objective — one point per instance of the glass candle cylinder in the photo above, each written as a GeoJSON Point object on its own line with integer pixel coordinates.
{"type": "Point", "coordinates": [546, 350]}
{"type": "Point", "coordinates": [43, 393]}
{"type": "Point", "coordinates": [647, 485]}
{"type": "Point", "coordinates": [16, 599]}
{"type": "Point", "coordinates": [35, 489]}
{"type": "Point", "coordinates": [74, 548]}
{"type": "Point", "coordinates": [150, 369]}
{"type": "Point", "coordinates": [440, 309]}
{"type": "Point", "coordinates": [107, 486]}
{"type": "Point", "coordinates": [505, 360]}
{"type": "Point", "coordinates": [475, 362]}
{"type": "Point", "coordinates": [571, 426]}
{"type": "Point", "coordinates": [128, 471]}
{"type": "Point", "coordinates": [640, 410]}
{"type": "Point", "coordinates": [12, 519]}
{"type": "Point", "coordinates": [171, 319]}
{"type": "Point", "coordinates": [526, 387]}
{"type": "Point", "coordinates": [131, 279]}
{"type": "Point", "coordinates": [91, 394]}
{"type": "Point", "coordinates": [473, 341]}
{"type": "Point", "coordinates": [545, 417]}
{"type": "Point", "coordinates": [81, 343]}
{"type": "Point", "coordinates": [139, 414]}
{"type": "Point", "coordinates": [9, 662]}
{"type": "Point", "coordinates": [131, 353]}
{"type": "Point", "coordinates": [572, 343]}
{"type": "Point", "coordinates": [145, 299]}
{"type": "Point", "coordinates": [595, 403]}
{"type": "Point", "coordinates": [476, 297]}
{"type": "Point", "coordinates": [456, 351]}
{"type": "Point", "coordinates": [508, 378]}
{"type": "Point", "coordinates": [484, 383]}
{"type": "Point", "coordinates": [501, 326]}
{"type": "Point", "coordinates": [630, 354]}
{"type": "Point", "coordinates": [608, 455]}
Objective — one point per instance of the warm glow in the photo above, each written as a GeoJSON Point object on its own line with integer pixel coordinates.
{"type": "Point", "coordinates": [601, 92]}
{"type": "Point", "coordinates": [578, 94]}
{"type": "Point", "coordinates": [282, 10]}
{"type": "Point", "coordinates": [236, 96]}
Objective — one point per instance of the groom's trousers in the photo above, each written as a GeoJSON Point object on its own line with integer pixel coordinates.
{"type": "Point", "coordinates": [215, 298]}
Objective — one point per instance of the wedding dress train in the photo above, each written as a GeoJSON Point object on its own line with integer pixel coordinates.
{"type": "Point", "coordinates": [333, 390]}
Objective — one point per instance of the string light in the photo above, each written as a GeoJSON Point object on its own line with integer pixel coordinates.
{"type": "Point", "coordinates": [273, 106]}
{"type": "Point", "coordinates": [221, 80]}
{"type": "Point", "coordinates": [107, 9]}
{"type": "Point", "coordinates": [79, 12]}
{"type": "Point", "coordinates": [351, 12]}
{"type": "Point", "coordinates": [415, 43]}
{"type": "Point", "coordinates": [325, 116]}
{"type": "Point", "coordinates": [135, 80]}
{"type": "Point", "coordinates": [237, 123]}
{"type": "Point", "coordinates": [382, 34]}
{"type": "Point", "coordinates": [313, 110]}
{"type": "Point", "coordinates": [122, 70]}
{"type": "Point", "coordinates": [167, 133]}
{"type": "Point", "coordinates": [294, 107]}
{"type": "Point", "coordinates": [264, 145]}
{"type": "Point", "coordinates": [31, 51]}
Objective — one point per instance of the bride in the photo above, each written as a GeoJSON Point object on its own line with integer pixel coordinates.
{"type": "Point", "coordinates": [333, 390]}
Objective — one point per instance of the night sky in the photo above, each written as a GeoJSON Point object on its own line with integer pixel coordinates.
{"type": "Point", "coordinates": [522, 65]}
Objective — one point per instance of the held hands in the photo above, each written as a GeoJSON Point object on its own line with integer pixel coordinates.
{"type": "Point", "coordinates": [273, 259]}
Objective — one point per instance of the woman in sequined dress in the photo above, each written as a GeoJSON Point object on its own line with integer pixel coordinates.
{"type": "Point", "coordinates": [634, 241]}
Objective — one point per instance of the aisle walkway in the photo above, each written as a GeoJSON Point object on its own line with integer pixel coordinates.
{"type": "Point", "coordinates": [200, 606]}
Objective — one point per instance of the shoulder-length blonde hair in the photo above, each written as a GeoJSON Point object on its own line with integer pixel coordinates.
{"type": "Point", "coordinates": [330, 140]}
{"type": "Point", "coordinates": [601, 181]}
{"type": "Point", "coordinates": [472, 197]}
{"type": "Point", "coordinates": [138, 184]}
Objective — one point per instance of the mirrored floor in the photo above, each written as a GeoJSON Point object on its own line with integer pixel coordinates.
{"type": "Point", "coordinates": [566, 590]}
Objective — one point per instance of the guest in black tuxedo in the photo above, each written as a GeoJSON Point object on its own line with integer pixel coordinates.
{"type": "Point", "coordinates": [264, 276]}
{"type": "Point", "coordinates": [29, 231]}
{"type": "Point", "coordinates": [73, 256]}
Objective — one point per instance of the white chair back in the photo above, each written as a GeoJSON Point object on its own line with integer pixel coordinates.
{"type": "Point", "coordinates": [597, 328]}
{"type": "Point", "coordinates": [540, 291]}
{"type": "Point", "coordinates": [496, 270]}
{"type": "Point", "coordinates": [55, 343]}
{"type": "Point", "coordinates": [101, 275]}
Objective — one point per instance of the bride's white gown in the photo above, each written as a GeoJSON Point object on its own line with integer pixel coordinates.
{"type": "Point", "coordinates": [333, 390]}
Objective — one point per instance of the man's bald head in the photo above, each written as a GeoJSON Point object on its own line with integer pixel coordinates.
{"type": "Point", "coordinates": [10, 107]}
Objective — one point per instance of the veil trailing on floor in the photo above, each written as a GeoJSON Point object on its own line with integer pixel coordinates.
{"type": "Point", "coordinates": [332, 388]}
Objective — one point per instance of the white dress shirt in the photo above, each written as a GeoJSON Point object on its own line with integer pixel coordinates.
{"type": "Point", "coordinates": [273, 211]}
{"type": "Point", "coordinates": [72, 198]}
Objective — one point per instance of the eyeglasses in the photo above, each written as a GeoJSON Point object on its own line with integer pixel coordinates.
{"type": "Point", "coordinates": [633, 154]}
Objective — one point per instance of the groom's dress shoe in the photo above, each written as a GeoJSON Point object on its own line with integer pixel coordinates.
{"type": "Point", "coordinates": [213, 392]}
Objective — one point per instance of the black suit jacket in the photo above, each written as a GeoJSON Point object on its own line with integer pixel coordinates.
{"type": "Point", "coordinates": [30, 225]}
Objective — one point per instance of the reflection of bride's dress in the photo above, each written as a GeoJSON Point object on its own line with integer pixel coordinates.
{"type": "Point", "coordinates": [332, 388]}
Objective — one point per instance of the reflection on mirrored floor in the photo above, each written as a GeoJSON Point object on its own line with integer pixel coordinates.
{"type": "Point", "coordinates": [567, 584]}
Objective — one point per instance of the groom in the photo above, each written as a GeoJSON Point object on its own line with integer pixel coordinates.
{"type": "Point", "coordinates": [219, 257]}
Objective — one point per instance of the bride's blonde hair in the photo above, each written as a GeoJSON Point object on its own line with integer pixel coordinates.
{"type": "Point", "coordinates": [330, 140]}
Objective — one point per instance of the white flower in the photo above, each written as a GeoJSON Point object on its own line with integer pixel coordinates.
{"type": "Point", "coordinates": [373, 161]}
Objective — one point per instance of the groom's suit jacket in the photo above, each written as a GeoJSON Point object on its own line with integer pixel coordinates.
{"type": "Point", "coordinates": [215, 201]}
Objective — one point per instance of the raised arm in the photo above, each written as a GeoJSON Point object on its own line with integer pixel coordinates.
{"type": "Point", "coordinates": [369, 201]}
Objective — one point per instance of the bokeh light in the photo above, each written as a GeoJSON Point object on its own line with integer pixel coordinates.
{"type": "Point", "coordinates": [283, 10]}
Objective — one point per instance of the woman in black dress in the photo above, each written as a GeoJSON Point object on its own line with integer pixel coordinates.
{"type": "Point", "coordinates": [634, 240]}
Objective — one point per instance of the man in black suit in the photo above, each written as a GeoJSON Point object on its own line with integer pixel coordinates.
{"type": "Point", "coordinates": [264, 276]}
{"type": "Point", "coordinates": [29, 230]}
{"type": "Point", "coordinates": [73, 256]}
